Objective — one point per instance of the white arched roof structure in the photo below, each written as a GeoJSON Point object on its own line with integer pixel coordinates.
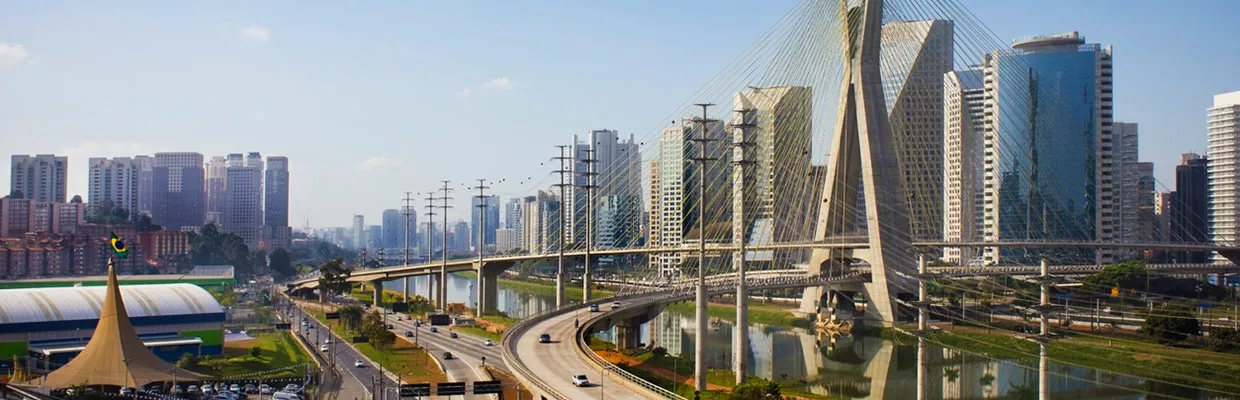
{"type": "Point", "coordinates": [83, 303]}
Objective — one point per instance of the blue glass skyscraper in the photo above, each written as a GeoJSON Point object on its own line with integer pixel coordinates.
{"type": "Point", "coordinates": [1048, 147]}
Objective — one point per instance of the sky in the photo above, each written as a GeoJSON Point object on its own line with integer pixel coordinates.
{"type": "Point", "coordinates": [373, 99]}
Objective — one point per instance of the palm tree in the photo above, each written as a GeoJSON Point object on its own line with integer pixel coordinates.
{"type": "Point", "coordinates": [351, 316]}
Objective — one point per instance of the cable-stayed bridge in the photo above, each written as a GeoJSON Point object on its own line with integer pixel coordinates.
{"type": "Point", "coordinates": [862, 137]}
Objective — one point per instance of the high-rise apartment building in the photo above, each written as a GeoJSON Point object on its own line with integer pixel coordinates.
{"type": "Point", "coordinates": [276, 231]}
{"type": "Point", "coordinates": [460, 236]}
{"type": "Point", "coordinates": [779, 139]}
{"type": "Point", "coordinates": [1128, 194]}
{"type": "Point", "coordinates": [678, 187]}
{"type": "Point", "coordinates": [217, 178]}
{"type": "Point", "coordinates": [914, 56]}
{"type": "Point", "coordinates": [490, 221]}
{"type": "Point", "coordinates": [512, 220]}
{"type": "Point", "coordinates": [1048, 148]}
{"type": "Point", "coordinates": [540, 223]}
{"type": "Point", "coordinates": [146, 183]}
{"type": "Point", "coordinates": [113, 183]}
{"type": "Point", "coordinates": [178, 198]}
{"type": "Point", "coordinates": [506, 240]}
{"type": "Point", "coordinates": [243, 201]}
{"type": "Point", "coordinates": [963, 128]}
{"type": "Point", "coordinates": [43, 177]}
{"type": "Point", "coordinates": [654, 215]}
{"type": "Point", "coordinates": [1223, 152]}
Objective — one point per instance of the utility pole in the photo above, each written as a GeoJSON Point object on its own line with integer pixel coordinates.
{"type": "Point", "coordinates": [699, 357]}
{"type": "Point", "coordinates": [559, 275]}
{"type": "Point", "coordinates": [407, 211]}
{"type": "Point", "coordinates": [740, 226]}
{"type": "Point", "coordinates": [482, 217]}
{"type": "Point", "coordinates": [430, 246]}
{"type": "Point", "coordinates": [589, 187]}
{"type": "Point", "coordinates": [443, 270]}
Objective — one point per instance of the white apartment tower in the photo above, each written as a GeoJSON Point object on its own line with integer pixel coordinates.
{"type": "Point", "coordinates": [41, 178]}
{"type": "Point", "coordinates": [1223, 168]}
{"type": "Point", "coordinates": [915, 55]}
{"type": "Point", "coordinates": [113, 182]}
{"type": "Point", "coordinates": [243, 204]}
{"type": "Point", "coordinates": [963, 127]}
{"type": "Point", "coordinates": [773, 189]}
{"type": "Point", "coordinates": [359, 231]}
{"type": "Point", "coordinates": [146, 184]}
{"type": "Point", "coordinates": [678, 183]}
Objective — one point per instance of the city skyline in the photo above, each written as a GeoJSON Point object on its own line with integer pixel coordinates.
{"type": "Point", "coordinates": [359, 129]}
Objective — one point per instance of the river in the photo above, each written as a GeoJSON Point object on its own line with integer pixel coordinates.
{"type": "Point", "coordinates": [855, 367]}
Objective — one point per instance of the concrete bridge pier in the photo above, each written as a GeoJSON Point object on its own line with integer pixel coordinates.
{"type": "Point", "coordinates": [628, 333]}
{"type": "Point", "coordinates": [378, 291]}
{"type": "Point", "coordinates": [488, 286]}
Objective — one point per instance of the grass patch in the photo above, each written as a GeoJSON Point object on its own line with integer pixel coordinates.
{"type": "Point", "coordinates": [761, 314]}
{"type": "Point", "coordinates": [547, 289]}
{"type": "Point", "coordinates": [510, 384]}
{"type": "Point", "coordinates": [278, 350]}
{"type": "Point", "coordinates": [1217, 371]}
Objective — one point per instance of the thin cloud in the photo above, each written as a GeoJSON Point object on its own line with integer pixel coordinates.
{"type": "Point", "coordinates": [376, 163]}
{"type": "Point", "coordinates": [463, 93]}
{"type": "Point", "coordinates": [13, 55]}
{"type": "Point", "coordinates": [255, 33]}
{"type": "Point", "coordinates": [502, 83]}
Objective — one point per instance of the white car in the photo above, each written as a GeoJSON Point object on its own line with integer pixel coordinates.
{"type": "Point", "coordinates": [359, 364]}
{"type": "Point", "coordinates": [580, 380]}
{"type": "Point", "coordinates": [324, 348]}
{"type": "Point", "coordinates": [488, 342]}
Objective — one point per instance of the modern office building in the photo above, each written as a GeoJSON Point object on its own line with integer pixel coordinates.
{"type": "Point", "coordinates": [617, 165]}
{"type": "Point", "coordinates": [146, 184]}
{"type": "Point", "coordinates": [1048, 148]}
{"type": "Point", "coordinates": [1189, 221]}
{"type": "Point", "coordinates": [506, 240]}
{"type": "Point", "coordinates": [43, 177]}
{"type": "Point", "coordinates": [393, 229]}
{"type": "Point", "coordinates": [1223, 152]}
{"type": "Point", "coordinates": [359, 231]}
{"type": "Point", "coordinates": [243, 200]}
{"type": "Point", "coordinates": [217, 181]}
{"type": "Point", "coordinates": [963, 128]}
{"type": "Point", "coordinates": [678, 188]}
{"type": "Point", "coordinates": [461, 236]}
{"type": "Point", "coordinates": [113, 183]}
{"type": "Point", "coordinates": [277, 234]}
{"type": "Point", "coordinates": [914, 56]}
{"type": "Point", "coordinates": [490, 218]}
{"type": "Point", "coordinates": [779, 135]}
{"type": "Point", "coordinates": [1129, 194]}
{"type": "Point", "coordinates": [178, 192]}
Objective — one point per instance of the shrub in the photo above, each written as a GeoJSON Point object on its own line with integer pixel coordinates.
{"type": "Point", "coordinates": [256, 351]}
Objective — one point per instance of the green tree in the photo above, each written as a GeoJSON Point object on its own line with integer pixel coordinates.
{"type": "Point", "coordinates": [382, 340]}
{"type": "Point", "coordinates": [333, 277]}
{"type": "Point", "coordinates": [256, 351]}
{"type": "Point", "coordinates": [144, 224]}
{"type": "Point", "coordinates": [351, 317]}
{"type": "Point", "coordinates": [212, 247]}
{"type": "Point", "coordinates": [757, 389]}
{"type": "Point", "coordinates": [1128, 275]}
{"type": "Point", "coordinates": [658, 352]}
{"type": "Point", "coordinates": [280, 263]}
{"type": "Point", "coordinates": [77, 199]}
{"type": "Point", "coordinates": [1171, 323]}
{"type": "Point", "coordinates": [188, 360]}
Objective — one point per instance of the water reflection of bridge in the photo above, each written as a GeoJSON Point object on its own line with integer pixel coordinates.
{"type": "Point", "coordinates": [872, 368]}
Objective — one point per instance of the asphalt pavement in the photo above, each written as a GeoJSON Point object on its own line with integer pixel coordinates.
{"type": "Point", "coordinates": [467, 351]}
{"type": "Point", "coordinates": [558, 361]}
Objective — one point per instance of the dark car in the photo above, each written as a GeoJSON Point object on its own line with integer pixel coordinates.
{"type": "Point", "coordinates": [434, 330]}
{"type": "Point", "coordinates": [447, 355]}
{"type": "Point", "coordinates": [452, 335]}
{"type": "Point", "coordinates": [544, 338]}
{"type": "Point", "coordinates": [408, 334]}
{"type": "Point", "coordinates": [389, 326]}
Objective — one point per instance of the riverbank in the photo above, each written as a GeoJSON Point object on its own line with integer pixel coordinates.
{"type": "Point", "coordinates": [675, 374]}
{"type": "Point", "coordinates": [547, 289]}
{"type": "Point", "coordinates": [1124, 355]}
{"type": "Point", "coordinates": [772, 315]}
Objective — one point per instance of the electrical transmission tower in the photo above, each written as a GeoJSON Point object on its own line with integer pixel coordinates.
{"type": "Point", "coordinates": [702, 160]}
{"type": "Point", "coordinates": [741, 144]}
{"type": "Point", "coordinates": [559, 275]}
{"type": "Point", "coordinates": [590, 161]}
{"type": "Point", "coordinates": [482, 217]}
{"type": "Point", "coordinates": [430, 245]}
{"type": "Point", "coordinates": [443, 269]}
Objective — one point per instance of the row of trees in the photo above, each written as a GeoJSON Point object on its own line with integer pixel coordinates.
{"type": "Point", "coordinates": [371, 325]}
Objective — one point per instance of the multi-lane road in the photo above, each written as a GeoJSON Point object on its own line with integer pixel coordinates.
{"type": "Point", "coordinates": [467, 350]}
{"type": "Point", "coordinates": [556, 362]}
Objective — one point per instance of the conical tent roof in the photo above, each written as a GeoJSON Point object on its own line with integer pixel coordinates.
{"type": "Point", "coordinates": [115, 355]}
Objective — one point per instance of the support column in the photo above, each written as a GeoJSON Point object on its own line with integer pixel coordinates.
{"type": "Point", "coordinates": [628, 333]}
{"type": "Point", "coordinates": [922, 324]}
{"type": "Point", "coordinates": [1044, 392]}
{"type": "Point", "coordinates": [378, 300]}
{"type": "Point", "coordinates": [488, 287]}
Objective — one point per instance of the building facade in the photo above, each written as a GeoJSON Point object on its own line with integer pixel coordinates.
{"type": "Point", "coordinates": [1223, 152]}
{"type": "Point", "coordinates": [490, 213]}
{"type": "Point", "coordinates": [178, 192]}
{"type": "Point", "coordinates": [1048, 148]}
{"type": "Point", "coordinates": [678, 188]}
{"type": "Point", "coordinates": [113, 183]}
{"type": "Point", "coordinates": [915, 55]}
{"type": "Point", "coordinates": [277, 234]}
{"type": "Point", "coordinates": [243, 200]}
{"type": "Point", "coordinates": [1189, 221]}
{"type": "Point", "coordinates": [44, 177]}
{"type": "Point", "coordinates": [963, 128]}
{"type": "Point", "coordinates": [146, 183]}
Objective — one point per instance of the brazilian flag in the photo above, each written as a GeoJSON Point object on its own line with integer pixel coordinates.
{"type": "Point", "coordinates": [119, 247]}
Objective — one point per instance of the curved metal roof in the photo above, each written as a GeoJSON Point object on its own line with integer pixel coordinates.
{"type": "Point", "coordinates": [83, 303]}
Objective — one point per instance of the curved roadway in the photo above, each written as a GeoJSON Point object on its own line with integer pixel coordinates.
{"type": "Point", "coordinates": [553, 364]}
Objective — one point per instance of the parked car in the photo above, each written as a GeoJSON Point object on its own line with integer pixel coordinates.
{"type": "Point", "coordinates": [294, 388]}
{"type": "Point", "coordinates": [580, 380]}
{"type": "Point", "coordinates": [127, 391]}
{"type": "Point", "coordinates": [250, 388]}
{"type": "Point", "coordinates": [265, 389]}
{"type": "Point", "coordinates": [235, 388]}
{"type": "Point", "coordinates": [207, 389]}
{"type": "Point", "coordinates": [192, 389]}
{"type": "Point", "coordinates": [544, 338]}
